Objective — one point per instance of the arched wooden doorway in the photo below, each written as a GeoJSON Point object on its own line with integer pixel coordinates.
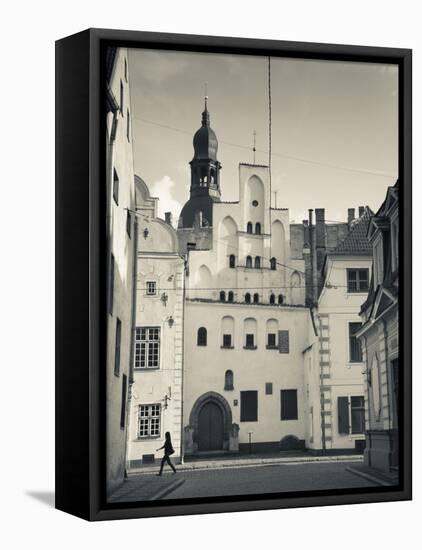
{"type": "Point", "coordinates": [210, 428]}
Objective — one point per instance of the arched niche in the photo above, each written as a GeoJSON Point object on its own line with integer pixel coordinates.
{"type": "Point", "coordinates": [278, 241]}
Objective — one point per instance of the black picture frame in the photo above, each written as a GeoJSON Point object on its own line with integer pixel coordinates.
{"type": "Point", "coordinates": [80, 269]}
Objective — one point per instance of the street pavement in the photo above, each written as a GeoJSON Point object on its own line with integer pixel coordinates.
{"type": "Point", "coordinates": [242, 480]}
{"type": "Point", "coordinates": [266, 479]}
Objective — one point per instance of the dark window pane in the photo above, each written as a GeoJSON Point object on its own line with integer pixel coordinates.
{"type": "Point", "coordinates": [248, 406]}
{"type": "Point", "coordinates": [343, 415]}
{"type": "Point", "coordinates": [117, 347]}
{"type": "Point", "coordinates": [288, 404]}
{"type": "Point", "coordinates": [228, 380]}
{"type": "Point", "coordinates": [115, 187]}
{"type": "Point", "coordinates": [202, 336]}
{"type": "Point", "coordinates": [268, 388]}
{"type": "Point", "coordinates": [123, 405]}
{"type": "Point", "coordinates": [111, 286]}
{"type": "Point", "coordinates": [227, 340]}
{"type": "Point", "coordinates": [272, 340]}
{"type": "Point", "coordinates": [355, 349]}
{"type": "Point", "coordinates": [357, 410]}
{"type": "Point", "coordinates": [249, 340]}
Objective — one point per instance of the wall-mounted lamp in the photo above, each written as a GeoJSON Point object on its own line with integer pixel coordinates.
{"type": "Point", "coordinates": [170, 321]}
{"type": "Point", "coordinates": [146, 232]}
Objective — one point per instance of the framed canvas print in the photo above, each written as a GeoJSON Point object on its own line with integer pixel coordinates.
{"type": "Point", "coordinates": [232, 219]}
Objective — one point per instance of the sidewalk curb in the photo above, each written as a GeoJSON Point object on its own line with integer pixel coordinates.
{"type": "Point", "coordinates": [369, 477]}
{"type": "Point", "coordinates": [167, 490]}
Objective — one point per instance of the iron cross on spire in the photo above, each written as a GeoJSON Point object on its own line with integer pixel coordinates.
{"type": "Point", "coordinates": [206, 96]}
{"type": "Point", "coordinates": [254, 145]}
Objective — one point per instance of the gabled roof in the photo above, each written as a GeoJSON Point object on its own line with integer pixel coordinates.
{"type": "Point", "coordinates": [356, 242]}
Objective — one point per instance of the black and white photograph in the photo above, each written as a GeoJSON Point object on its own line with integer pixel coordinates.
{"type": "Point", "coordinates": [252, 230]}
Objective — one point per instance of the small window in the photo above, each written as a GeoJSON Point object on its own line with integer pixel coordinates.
{"type": "Point", "coordinates": [272, 340]}
{"type": "Point", "coordinates": [147, 348]}
{"type": "Point", "coordinates": [227, 340]}
{"type": "Point", "coordinates": [151, 288]}
{"type": "Point", "coordinates": [115, 187]}
{"type": "Point", "coordinates": [117, 343]}
{"type": "Point", "coordinates": [111, 286]}
{"type": "Point", "coordinates": [357, 414]}
{"type": "Point", "coordinates": [202, 336]}
{"type": "Point", "coordinates": [250, 341]}
{"type": "Point", "coordinates": [123, 404]}
{"type": "Point", "coordinates": [256, 298]}
{"type": "Point", "coordinates": [249, 261]}
{"type": "Point", "coordinates": [357, 280]}
{"type": "Point", "coordinates": [232, 260]}
{"type": "Point", "coordinates": [126, 77]}
{"type": "Point", "coordinates": [228, 380]}
{"type": "Point", "coordinates": [268, 388]}
{"type": "Point", "coordinates": [258, 228]}
{"type": "Point", "coordinates": [247, 298]}
{"type": "Point", "coordinates": [355, 349]}
{"type": "Point", "coordinates": [280, 299]}
{"type": "Point", "coordinates": [273, 264]}
{"type": "Point", "coordinates": [129, 224]}
{"type": "Point", "coordinates": [257, 262]}
{"type": "Point", "coordinates": [248, 406]}
{"type": "Point", "coordinates": [128, 126]}
{"type": "Point", "coordinates": [288, 404]}
{"type": "Point", "coordinates": [231, 296]}
{"type": "Point", "coordinates": [121, 97]}
{"type": "Point", "coordinates": [249, 227]}
{"type": "Point", "coordinates": [272, 298]}
{"type": "Point", "coordinates": [149, 420]}
{"type": "Point", "coordinates": [255, 203]}
{"type": "Point", "coordinates": [222, 296]}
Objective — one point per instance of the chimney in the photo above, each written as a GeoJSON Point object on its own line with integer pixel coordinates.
{"type": "Point", "coordinates": [350, 215]}
{"type": "Point", "coordinates": [361, 211]}
{"type": "Point", "coordinates": [306, 240]}
{"type": "Point", "coordinates": [168, 218]}
{"type": "Point", "coordinates": [320, 227]}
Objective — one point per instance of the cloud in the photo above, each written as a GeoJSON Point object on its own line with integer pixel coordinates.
{"type": "Point", "coordinates": [163, 190]}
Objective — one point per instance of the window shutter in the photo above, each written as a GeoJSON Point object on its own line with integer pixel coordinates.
{"type": "Point", "coordinates": [343, 415]}
{"type": "Point", "coordinates": [283, 341]}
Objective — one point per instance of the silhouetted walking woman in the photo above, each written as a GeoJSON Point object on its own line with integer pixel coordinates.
{"type": "Point", "coordinates": [168, 450]}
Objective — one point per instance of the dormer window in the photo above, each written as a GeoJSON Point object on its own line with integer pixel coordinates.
{"type": "Point", "coordinates": [358, 279]}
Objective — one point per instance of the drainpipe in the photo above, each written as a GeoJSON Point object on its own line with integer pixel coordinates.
{"type": "Point", "coordinates": [132, 334]}
{"type": "Point", "coordinates": [182, 407]}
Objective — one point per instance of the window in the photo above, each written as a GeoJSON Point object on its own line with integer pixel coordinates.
{"type": "Point", "coordinates": [288, 404]}
{"type": "Point", "coordinates": [117, 347]}
{"type": "Point", "coordinates": [129, 224]}
{"type": "Point", "coordinates": [257, 262]}
{"type": "Point", "coordinates": [115, 187]}
{"type": "Point", "coordinates": [147, 348]}
{"type": "Point", "coordinates": [272, 340]}
{"type": "Point", "coordinates": [256, 298]}
{"type": "Point", "coordinates": [357, 413]}
{"type": "Point", "coordinates": [283, 341]}
{"type": "Point", "coordinates": [272, 298]}
{"type": "Point", "coordinates": [355, 349]}
{"type": "Point", "coordinates": [250, 341]}
{"type": "Point", "coordinates": [231, 296]}
{"type": "Point", "coordinates": [121, 97]}
{"type": "Point", "coordinates": [123, 404]}
{"type": "Point", "coordinates": [280, 299]}
{"type": "Point", "coordinates": [232, 260]}
{"type": "Point", "coordinates": [149, 420]}
{"type": "Point", "coordinates": [151, 288]}
{"type": "Point", "coordinates": [273, 264]}
{"type": "Point", "coordinates": [248, 406]}
{"type": "Point", "coordinates": [258, 228]}
{"type": "Point", "coordinates": [128, 126]}
{"type": "Point", "coordinates": [351, 415]}
{"type": "Point", "coordinates": [202, 336]}
{"type": "Point", "coordinates": [249, 261]}
{"type": "Point", "coordinates": [222, 296]}
{"type": "Point", "coordinates": [249, 227]}
{"type": "Point", "coordinates": [227, 340]}
{"type": "Point", "coordinates": [111, 286]}
{"type": "Point", "coordinates": [268, 388]}
{"type": "Point", "coordinates": [357, 280]}
{"type": "Point", "coordinates": [228, 380]}
{"type": "Point", "coordinates": [126, 70]}
{"type": "Point", "coordinates": [247, 298]}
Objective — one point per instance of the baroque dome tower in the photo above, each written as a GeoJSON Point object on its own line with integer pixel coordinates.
{"type": "Point", "coordinates": [205, 175]}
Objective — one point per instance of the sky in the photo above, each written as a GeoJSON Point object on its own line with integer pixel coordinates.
{"type": "Point", "coordinates": [334, 128]}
